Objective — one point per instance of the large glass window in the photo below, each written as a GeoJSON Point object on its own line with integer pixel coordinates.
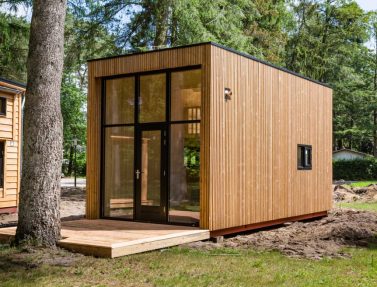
{"type": "Point", "coordinates": [152, 100]}
{"type": "Point", "coordinates": [184, 174]}
{"type": "Point", "coordinates": [119, 172]}
{"type": "Point", "coordinates": [120, 100]}
{"type": "Point", "coordinates": [151, 168]}
{"type": "Point", "coordinates": [185, 95]}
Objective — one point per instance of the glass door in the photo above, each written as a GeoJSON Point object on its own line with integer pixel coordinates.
{"type": "Point", "coordinates": [151, 173]}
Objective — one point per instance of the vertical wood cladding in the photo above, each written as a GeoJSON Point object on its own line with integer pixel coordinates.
{"type": "Point", "coordinates": [248, 144]}
{"type": "Point", "coordinates": [254, 138]}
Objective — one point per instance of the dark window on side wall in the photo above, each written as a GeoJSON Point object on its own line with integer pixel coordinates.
{"type": "Point", "coordinates": [304, 157]}
{"type": "Point", "coordinates": [2, 145]}
{"type": "Point", "coordinates": [3, 106]}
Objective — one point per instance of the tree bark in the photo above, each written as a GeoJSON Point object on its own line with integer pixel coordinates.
{"type": "Point", "coordinates": [39, 215]}
{"type": "Point", "coordinates": [162, 23]}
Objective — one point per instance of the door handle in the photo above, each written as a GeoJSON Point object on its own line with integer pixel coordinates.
{"type": "Point", "coordinates": [137, 174]}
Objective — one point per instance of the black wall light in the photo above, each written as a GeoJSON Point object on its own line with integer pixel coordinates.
{"type": "Point", "coordinates": [227, 94]}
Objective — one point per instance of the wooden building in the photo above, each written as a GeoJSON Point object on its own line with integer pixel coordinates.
{"type": "Point", "coordinates": [208, 136]}
{"type": "Point", "coordinates": [11, 97]}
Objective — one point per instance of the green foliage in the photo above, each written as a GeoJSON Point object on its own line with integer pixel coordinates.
{"type": "Point", "coordinates": [73, 105]}
{"type": "Point", "coordinates": [369, 206]}
{"type": "Point", "coordinates": [322, 39]}
{"type": "Point", "coordinates": [357, 169]}
{"type": "Point", "coordinates": [14, 39]}
{"type": "Point", "coordinates": [192, 157]}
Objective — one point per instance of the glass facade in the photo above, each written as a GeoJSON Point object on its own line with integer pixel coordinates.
{"type": "Point", "coordinates": [184, 174]}
{"type": "Point", "coordinates": [119, 172]}
{"type": "Point", "coordinates": [152, 100]}
{"type": "Point", "coordinates": [135, 166]}
{"type": "Point", "coordinates": [120, 100]}
{"type": "Point", "coordinates": [185, 95]}
{"type": "Point", "coordinates": [151, 168]}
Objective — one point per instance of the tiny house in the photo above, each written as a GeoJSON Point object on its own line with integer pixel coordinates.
{"type": "Point", "coordinates": [11, 96]}
{"type": "Point", "coordinates": [207, 136]}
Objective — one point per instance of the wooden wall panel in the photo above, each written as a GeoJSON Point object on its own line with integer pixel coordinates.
{"type": "Point", "coordinates": [10, 129]}
{"type": "Point", "coordinates": [158, 60]}
{"type": "Point", "coordinates": [254, 137]}
{"type": "Point", "coordinates": [248, 144]}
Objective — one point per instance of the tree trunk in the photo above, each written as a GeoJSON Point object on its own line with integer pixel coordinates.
{"type": "Point", "coordinates": [39, 215]}
{"type": "Point", "coordinates": [162, 23]}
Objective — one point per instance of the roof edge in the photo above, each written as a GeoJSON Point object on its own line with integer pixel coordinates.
{"type": "Point", "coordinates": [352, 151]}
{"type": "Point", "coordinates": [243, 54]}
{"type": "Point", "coordinates": [11, 82]}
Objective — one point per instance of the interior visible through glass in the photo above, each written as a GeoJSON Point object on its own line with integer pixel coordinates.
{"type": "Point", "coordinates": [185, 95]}
{"type": "Point", "coordinates": [184, 174]}
{"type": "Point", "coordinates": [119, 172]}
{"type": "Point", "coordinates": [152, 100]}
{"type": "Point", "coordinates": [120, 100]}
{"type": "Point", "coordinates": [151, 168]}
{"type": "Point", "coordinates": [184, 155]}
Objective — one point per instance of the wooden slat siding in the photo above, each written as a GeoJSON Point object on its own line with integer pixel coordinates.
{"type": "Point", "coordinates": [9, 132]}
{"type": "Point", "coordinates": [19, 145]}
{"type": "Point", "coordinates": [183, 57]}
{"type": "Point", "coordinates": [254, 137]}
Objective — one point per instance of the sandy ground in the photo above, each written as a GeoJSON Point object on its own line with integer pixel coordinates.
{"type": "Point", "coordinates": [72, 206]}
{"type": "Point", "coordinates": [316, 239]}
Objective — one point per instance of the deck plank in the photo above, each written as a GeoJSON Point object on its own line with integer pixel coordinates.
{"type": "Point", "coordinates": [110, 238]}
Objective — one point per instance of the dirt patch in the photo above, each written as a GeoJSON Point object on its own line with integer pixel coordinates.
{"type": "Point", "coordinates": [326, 237]}
{"type": "Point", "coordinates": [346, 193]}
{"type": "Point", "coordinates": [72, 206]}
{"type": "Point", "coordinates": [30, 257]}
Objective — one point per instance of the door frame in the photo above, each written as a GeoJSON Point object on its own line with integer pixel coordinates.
{"type": "Point", "coordinates": [143, 212]}
{"type": "Point", "coordinates": [136, 126]}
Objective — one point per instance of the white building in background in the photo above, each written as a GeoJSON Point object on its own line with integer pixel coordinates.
{"type": "Point", "coordinates": [348, 154]}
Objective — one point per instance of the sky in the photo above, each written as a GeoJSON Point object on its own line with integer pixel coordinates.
{"type": "Point", "coordinates": [368, 4]}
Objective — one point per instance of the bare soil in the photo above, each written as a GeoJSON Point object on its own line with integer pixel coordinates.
{"type": "Point", "coordinates": [346, 193]}
{"type": "Point", "coordinates": [72, 206]}
{"type": "Point", "coordinates": [315, 239]}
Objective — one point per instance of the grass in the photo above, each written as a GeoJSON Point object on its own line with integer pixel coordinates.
{"type": "Point", "coordinates": [369, 206]}
{"type": "Point", "coordinates": [363, 183]}
{"type": "Point", "coordinates": [186, 267]}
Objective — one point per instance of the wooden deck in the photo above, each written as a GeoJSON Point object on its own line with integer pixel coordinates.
{"type": "Point", "coordinates": [110, 238]}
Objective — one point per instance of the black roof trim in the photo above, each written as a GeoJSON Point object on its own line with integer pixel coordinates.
{"type": "Point", "coordinates": [21, 85]}
{"type": "Point", "coordinates": [243, 54]}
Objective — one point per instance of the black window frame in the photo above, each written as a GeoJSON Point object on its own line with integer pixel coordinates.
{"type": "Point", "coordinates": [168, 122]}
{"type": "Point", "coordinates": [3, 112]}
{"type": "Point", "coordinates": [302, 163]}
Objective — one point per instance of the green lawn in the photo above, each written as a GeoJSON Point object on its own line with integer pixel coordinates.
{"type": "Point", "coordinates": [370, 206]}
{"type": "Point", "coordinates": [185, 267]}
{"type": "Point", "coordinates": [363, 183]}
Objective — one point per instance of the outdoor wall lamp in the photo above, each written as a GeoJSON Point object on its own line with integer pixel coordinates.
{"type": "Point", "coordinates": [227, 94]}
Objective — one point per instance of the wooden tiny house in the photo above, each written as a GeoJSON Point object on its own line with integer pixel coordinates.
{"type": "Point", "coordinates": [204, 135]}
{"type": "Point", "coordinates": [11, 95]}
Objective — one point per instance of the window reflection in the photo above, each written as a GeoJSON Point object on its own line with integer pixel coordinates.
{"type": "Point", "coordinates": [185, 95]}
{"type": "Point", "coordinates": [119, 167]}
{"type": "Point", "coordinates": [120, 100]}
{"type": "Point", "coordinates": [184, 175]}
{"type": "Point", "coordinates": [152, 99]}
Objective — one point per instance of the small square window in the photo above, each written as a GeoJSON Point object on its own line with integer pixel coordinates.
{"type": "Point", "coordinates": [3, 106]}
{"type": "Point", "coordinates": [304, 156]}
